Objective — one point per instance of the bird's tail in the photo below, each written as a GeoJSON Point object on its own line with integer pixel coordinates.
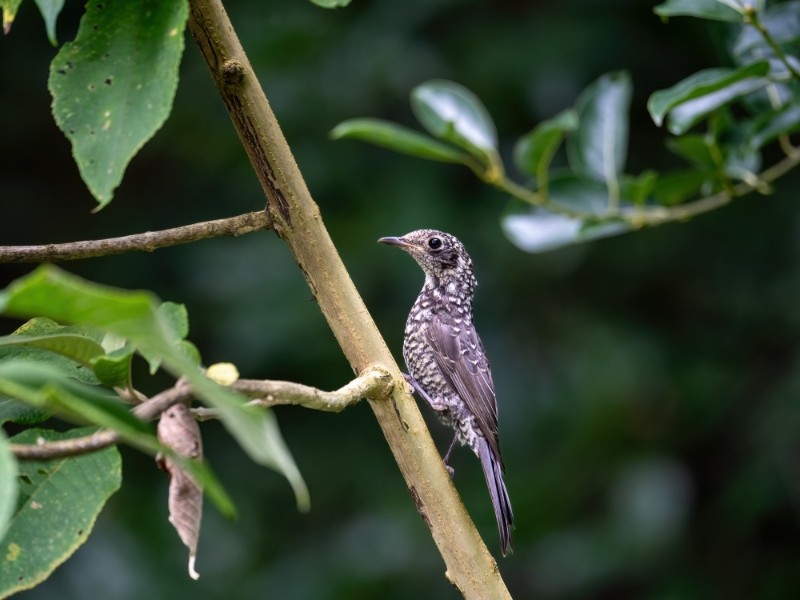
{"type": "Point", "coordinates": [493, 471]}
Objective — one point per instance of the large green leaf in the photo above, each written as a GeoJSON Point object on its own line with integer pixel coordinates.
{"type": "Point", "coordinates": [136, 316]}
{"type": "Point", "coordinates": [60, 501]}
{"type": "Point", "coordinates": [692, 98]}
{"type": "Point", "coordinates": [452, 112]}
{"type": "Point", "coordinates": [398, 138]}
{"type": "Point", "coordinates": [716, 10]}
{"type": "Point", "coordinates": [599, 146]}
{"type": "Point", "coordinates": [534, 151]}
{"type": "Point", "coordinates": [8, 484]}
{"type": "Point", "coordinates": [113, 86]}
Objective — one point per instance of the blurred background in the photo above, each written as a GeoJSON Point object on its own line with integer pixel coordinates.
{"type": "Point", "coordinates": [648, 384]}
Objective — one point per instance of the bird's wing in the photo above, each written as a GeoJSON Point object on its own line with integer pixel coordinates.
{"type": "Point", "coordinates": [461, 359]}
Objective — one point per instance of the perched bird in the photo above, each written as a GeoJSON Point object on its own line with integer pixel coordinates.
{"type": "Point", "coordinates": [446, 361]}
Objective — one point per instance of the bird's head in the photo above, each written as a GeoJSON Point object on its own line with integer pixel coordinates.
{"type": "Point", "coordinates": [441, 255]}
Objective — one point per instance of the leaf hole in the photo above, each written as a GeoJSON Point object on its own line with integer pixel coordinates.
{"type": "Point", "coordinates": [61, 71]}
{"type": "Point", "coordinates": [99, 6]}
{"type": "Point", "coordinates": [72, 132]}
{"type": "Point", "coordinates": [108, 80]}
{"type": "Point", "coordinates": [91, 87]}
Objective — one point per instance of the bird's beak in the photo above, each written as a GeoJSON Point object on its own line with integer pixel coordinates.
{"type": "Point", "coordinates": [397, 241]}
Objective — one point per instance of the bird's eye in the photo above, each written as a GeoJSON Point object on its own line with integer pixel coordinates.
{"type": "Point", "coordinates": [434, 243]}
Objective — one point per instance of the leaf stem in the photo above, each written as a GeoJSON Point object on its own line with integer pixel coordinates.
{"type": "Point", "coordinates": [751, 17]}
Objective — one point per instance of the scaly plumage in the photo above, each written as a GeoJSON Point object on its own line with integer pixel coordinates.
{"type": "Point", "coordinates": [446, 360]}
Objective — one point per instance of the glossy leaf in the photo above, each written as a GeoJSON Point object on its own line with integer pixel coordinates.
{"type": "Point", "coordinates": [715, 10]}
{"type": "Point", "coordinates": [599, 146]}
{"type": "Point", "coordinates": [452, 112]}
{"type": "Point", "coordinates": [684, 116]}
{"type": "Point", "coordinates": [50, 10]}
{"type": "Point", "coordinates": [8, 484]}
{"type": "Point", "coordinates": [113, 86]}
{"type": "Point", "coordinates": [135, 316]}
{"type": "Point", "coordinates": [534, 151]}
{"type": "Point", "coordinates": [540, 230]}
{"type": "Point", "coordinates": [60, 501]}
{"type": "Point", "coordinates": [710, 86]}
{"type": "Point", "coordinates": [398, 138]}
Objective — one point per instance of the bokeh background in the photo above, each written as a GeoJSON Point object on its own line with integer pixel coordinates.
{"type": "Point", "coordinates": [648, 384]}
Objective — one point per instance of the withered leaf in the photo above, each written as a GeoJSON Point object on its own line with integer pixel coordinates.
{"type": "Point", "coordinates": [178, 430]}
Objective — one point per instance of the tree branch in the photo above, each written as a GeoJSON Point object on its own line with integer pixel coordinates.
{"type": "Point", "coordinates": [143, 242]}
{"type": "Point", "coordinates": [374, 382]}
{"type": "Point", "coordinates": [297, 220]}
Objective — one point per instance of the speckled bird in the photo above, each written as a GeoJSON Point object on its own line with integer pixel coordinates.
{"type": "Point", "coordinates": [446, 361]}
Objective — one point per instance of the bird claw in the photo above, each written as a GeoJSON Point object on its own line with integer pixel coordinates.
{"type": "Point", "coordinates": [450, 470]}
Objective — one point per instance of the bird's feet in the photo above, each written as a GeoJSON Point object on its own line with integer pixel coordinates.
{"type": "Point", "coordinates": [450, 470]}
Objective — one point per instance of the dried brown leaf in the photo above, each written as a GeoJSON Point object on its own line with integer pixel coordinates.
{"type": "Point", "coordinates": [178, 430]}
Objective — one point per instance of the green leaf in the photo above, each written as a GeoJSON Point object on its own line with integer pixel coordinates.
{"type": "Point", "coordinates": [50, 10]}
{"type": "Point", "coordinates": [47, 388]}
{"type": "Point", "coordinates": [599, 146]}
{"type": "Point", "coordinates": [18, 412]}
{"type": "Point", "coordinates": [58, 295]}
{"type": "Point", "coordinates": [77, 347]}
{"type": "Point", "coordinates": [540, 230]}
{"type": "Point", "coordinates": [534, 151]}
{"type": "Point", "coordinates": [704, 91]}
{"type": "Point", "coordinates": [769, 126]}
{"type": "Point", "coordinates": [398, 138]}
{"type": "Point", "coordinates": [114, 369]}
{"type": "Point", "coordinates": [9, 9]}
{"type": "Point", "coordinates": [674, 188]}
{"type": "Point", "coordinates": [694, 148]}
{"type": "Point", "coordinates": [43, 349]}
{"type": "Point", "coordinates": [452, 112]}
{"type": "Point", "coordinates": [113, 86]}
{"type": "Point", "coordinates": [8, 484]}
{"type": "Point", "coordinates": [715, 10]}
{"type": "Point", "coordinates": [60, 501]}
{"type": "Point", "coordinates": [638, 189]}
{"type": "Point", "coordinates": [684, 116]}
{"type": "Point", "coordinates": [331, 3]}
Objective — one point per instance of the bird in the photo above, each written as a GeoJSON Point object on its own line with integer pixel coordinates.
{"type": "Point", "coordinates": [446, 361]}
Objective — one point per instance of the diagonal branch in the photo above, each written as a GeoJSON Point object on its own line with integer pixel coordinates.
{"type": "Point", "coordinates": [297, 220]}
{"type": "Point", "coordinates": [142, 242]}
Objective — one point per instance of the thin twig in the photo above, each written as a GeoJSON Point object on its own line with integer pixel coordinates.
{"type": "Point", "coordinates": [374, 383]}
{"type": "Point", "coordinates": [143, 242]}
